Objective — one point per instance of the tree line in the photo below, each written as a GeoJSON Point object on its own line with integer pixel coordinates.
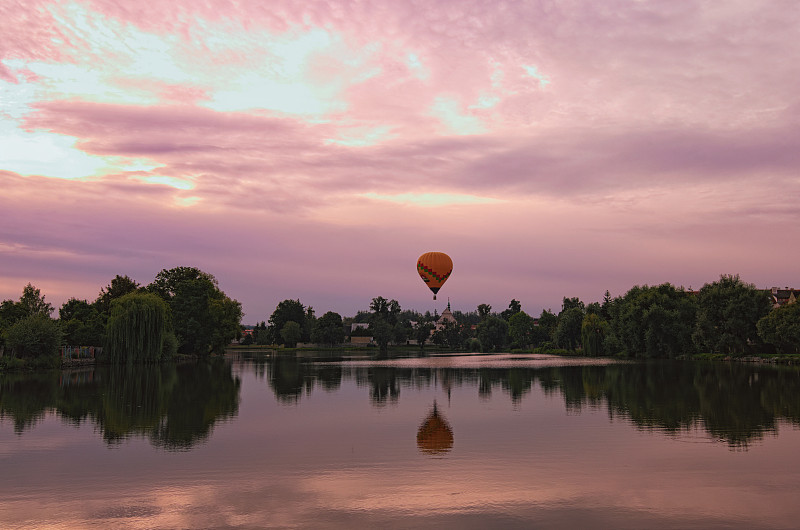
{"type": "Point", "coordinates": [727, 316]}
{"type": "Point", "coordinates": [183, 311]}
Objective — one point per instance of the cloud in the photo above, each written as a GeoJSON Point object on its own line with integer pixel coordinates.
{"type": "Point", "coordinates": [568, 147]}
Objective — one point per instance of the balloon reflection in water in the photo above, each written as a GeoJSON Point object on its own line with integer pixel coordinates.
{"type": "Point", "coordinates": [435, 435]}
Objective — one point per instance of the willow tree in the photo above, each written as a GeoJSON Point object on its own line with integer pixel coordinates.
{"type": "Point", "coordinates": [137, 328]}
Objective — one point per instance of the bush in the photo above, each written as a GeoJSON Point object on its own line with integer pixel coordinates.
{"type": "Point", "coordinates": [33, 337]}
{"type": "Point", "coordinates": [473, 345]}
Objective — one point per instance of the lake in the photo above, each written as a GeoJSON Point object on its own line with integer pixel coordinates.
{"type": "Point", "coordinates": [466, 441]}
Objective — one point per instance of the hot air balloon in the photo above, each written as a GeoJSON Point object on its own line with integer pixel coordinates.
{"type": "Point", "coordinates": [434, 268]}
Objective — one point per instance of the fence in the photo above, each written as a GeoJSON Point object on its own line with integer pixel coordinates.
{"type": "Point", "coordinates": [79, 352]}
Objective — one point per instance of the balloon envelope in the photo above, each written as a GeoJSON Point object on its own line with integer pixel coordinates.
{"type": "Point", "coordinates": [434, 268]}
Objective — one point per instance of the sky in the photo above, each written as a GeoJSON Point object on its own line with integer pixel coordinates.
{"type": "Point", "coordinates": [313, 150]}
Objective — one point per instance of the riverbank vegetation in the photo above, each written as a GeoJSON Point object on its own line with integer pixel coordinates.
{"type": "Point", "coordinates": [725, 318]}
{"type": "Point", "coordinates": [182, 312]}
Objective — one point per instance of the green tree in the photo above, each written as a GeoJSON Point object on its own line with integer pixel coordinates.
{"type": "Point", "coordinates": [36, 336]}
{"type": "Point", "coordinates": [520, 329]}
{"type": "Point", "coordinates": [81, 323]}
{"type": "Point", "coordinates": [493, 333]}
{"type": "Point", "coordinates": [225, 316]}
{"type": "Point", "coordinates": [381, 332]}
{"type": "Point", "coordinates": [388, 310]}
{"type": "Point", "coordinates": [328, 329]}
{"type": "Point", "coordinates": [285, 311]}
{"type": "Point", "coordinates": [450, 334]}
{"type": "Point", "coordinates": [291, 333]}
{"type": "Point", "coordinates": [569, 303]}
{"type": "Point", "coordinates": [593, 333]}
{"type": "Point", "coordinates": [484, 311]}
{"type": "Point", "coordinates": [514, 307]}
{"type": "Point", "coordinates": [781, 328]}
{"type": "Point", "coordinates": [32, 302]}
{"type": "Point", "coordinates": [400, 332]}
{"type": "Point", "coordinates": [605, 307]}
{"type": "Point", "coordinates": [422, 333]}
{"type": "Point", "coordinates": [568, 330]}
{"type": "Point", "coordinates": [308, 324]}
{"type": "Point", "coordinates": [546, 330]}
{"type": "Point", "coordinates": [119, 287]}
{"type": "Point", "coordinates": [652, 322]}
{"type": "Point", "coordinates": [382, 321]}
{"type": "Point", "coordinates": [203, 317]}
{"type": "Point", "coordinates": [728, 311]}
{"type": "Point", "coordinates": [137, 328]}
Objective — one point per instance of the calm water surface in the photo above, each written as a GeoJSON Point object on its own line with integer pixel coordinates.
{"type": "Point", "coordinates": [460, 441]}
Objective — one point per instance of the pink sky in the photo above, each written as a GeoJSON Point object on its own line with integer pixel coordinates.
{"type": "Point", "coordinates": [313, 150]}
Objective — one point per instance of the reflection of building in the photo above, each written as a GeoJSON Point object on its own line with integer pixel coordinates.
{"type": "Point", "coordinates": [435, 435]}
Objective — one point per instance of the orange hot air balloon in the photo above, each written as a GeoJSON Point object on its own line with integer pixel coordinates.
{"type": "Point", "coordinates": [434, 268]}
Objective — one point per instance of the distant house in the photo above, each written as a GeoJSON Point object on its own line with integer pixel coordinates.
{"type": "Point", "coordinates": [785, 296]}
{"type": "Point", "coordinates": [358, 325]}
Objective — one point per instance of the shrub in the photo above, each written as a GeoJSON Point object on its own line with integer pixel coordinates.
{"type": "Point", "coordinates": [34, 337]}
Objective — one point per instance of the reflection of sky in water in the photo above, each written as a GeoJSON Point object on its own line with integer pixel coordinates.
{"type": "Point", "coordinates": [332, 458]}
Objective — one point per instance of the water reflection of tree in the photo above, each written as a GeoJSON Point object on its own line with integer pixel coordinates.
{"type": "Point", "coordinates": [175, 407]}
{"type": "Point", "coordinates": [290, 377]}
{"type": "Point", "coordinates": [25, 398]}
{"type": "Point", "coordinates": [732, 402]}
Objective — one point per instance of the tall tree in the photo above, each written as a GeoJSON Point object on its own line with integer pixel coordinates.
{"type": "Point", "coordinates": [32, 302]}
{"type": "Point", "coordinates": [513, 308]}
{"type": "Point", "coordinates": [136, 328]}
{"type": "Point", "coordinates": [291, 333]}
{"type": "Point", "coordinates": [484, 310]}
{"type": "Point", "coordinates": [568, 330]}
{"type": "Point", "coordinates": [652, 322]}
{"type": "Point", "coordinates": [422, 333]}
{"type": "Point", "coordinates": [520, 329]}
{"type": "Point", "coordinates": [382, 321]}
{"type": "Point", "coordinates": [593, 333]}
{"type": "Point", "coordinates": [546, 330]}
{"type": "Point", "coordinates": [728, 311]}
{"type": "Point", "coordinates": [119, 287]}
{"type": "Point", "coordinates": [35, 336]}
{"type": "Point", "coordinates": [204, 318]}
{"type": "Point", "coordinates": [781, 328]}
{"type": "Point", "coordinates": [569, 303]}
{"type": "Point", "coordinates": [493, 333]}
{"type": "Point", "coordinates": [450, 334]}
{"type": "Point", "coordinates": [328, 329]}
{"type": "Point", "coordinates": [285, 311]}
{"type": "Point", "coordinates": [81, 323]}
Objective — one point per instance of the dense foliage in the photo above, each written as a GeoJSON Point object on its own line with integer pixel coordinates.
{"type": "Point", "coordinates": [137, 328]}
{"type": "Point", "coordinates": [727, 316]}
{"type": "Point", "coordinates": [328, 329]}
{"type": "Point", "coordinates": [34, 337]}
{"type": "Point", "coordinates": [781, 328]}
{"type": "Point", "coordinates": [652, 322]}
{"type": "Point", "coordinates": [204, 318]}
{"type": "Point", "coordinates": [728, 311]}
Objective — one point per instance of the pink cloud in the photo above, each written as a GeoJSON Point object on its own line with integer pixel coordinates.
{"type": "Point", "coordinates": [630, 143]}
